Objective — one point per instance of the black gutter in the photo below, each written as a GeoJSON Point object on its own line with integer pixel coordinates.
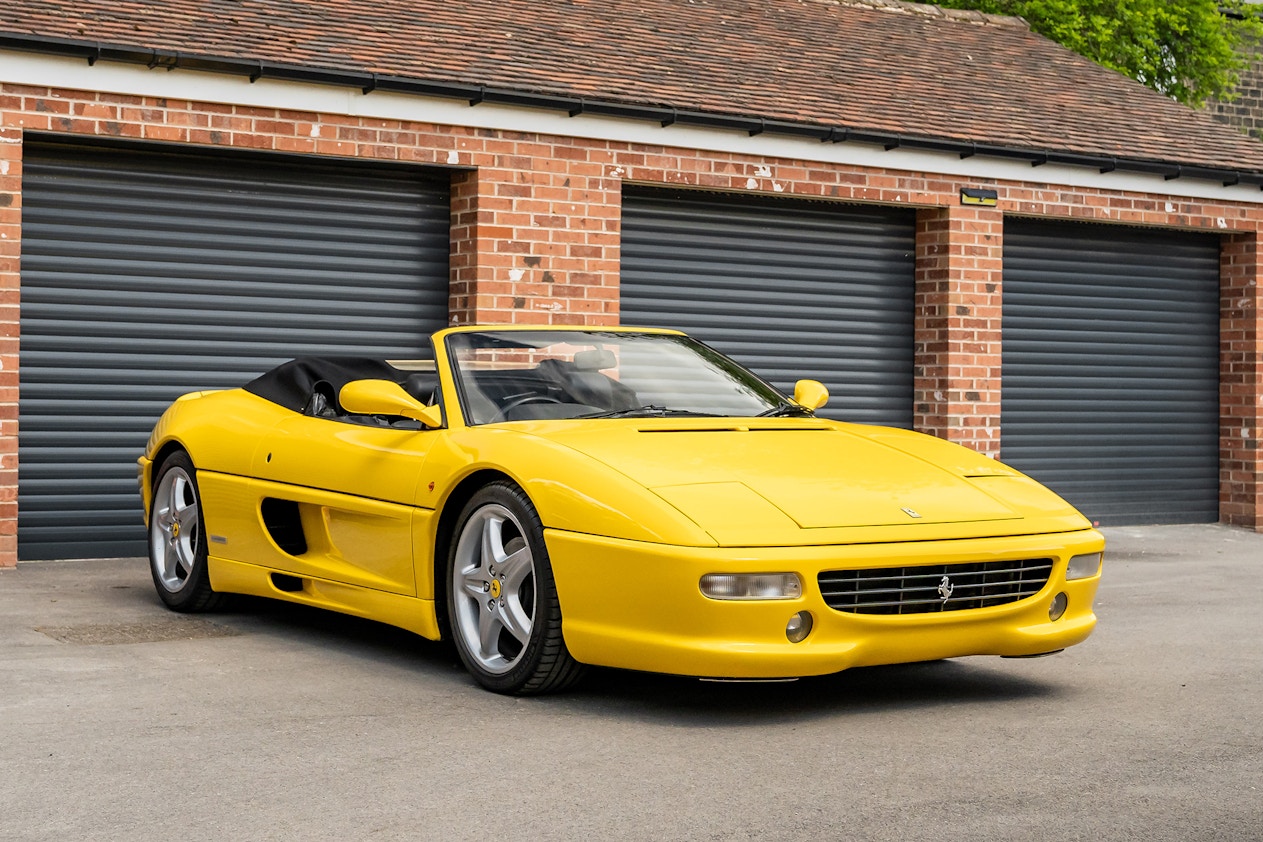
{"type": "Point", "coordinates": [93, 51]}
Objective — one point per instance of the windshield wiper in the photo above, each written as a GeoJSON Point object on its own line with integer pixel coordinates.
{"type": "Point", "coordinates": [649, 410]}
{"type": "Point", "coordinates": [786, 409]}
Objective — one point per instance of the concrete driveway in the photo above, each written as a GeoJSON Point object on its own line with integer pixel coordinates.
{"type": "Point", "coordinates": [120, 720]}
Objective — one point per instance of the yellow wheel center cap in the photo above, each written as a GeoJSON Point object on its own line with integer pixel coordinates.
{"type": "Point", "coordinates": [495, 589]}
{"type": "Point", "coordinates": [175, 529]}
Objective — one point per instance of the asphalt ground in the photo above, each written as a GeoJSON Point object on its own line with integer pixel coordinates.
{"type": "Point", "coordinates": [120, 720]}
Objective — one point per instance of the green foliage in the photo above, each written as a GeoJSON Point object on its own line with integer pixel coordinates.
{"type": "Point", "coordinates": [1186, 49]}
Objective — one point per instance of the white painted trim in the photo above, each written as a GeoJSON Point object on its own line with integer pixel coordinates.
{"type": "Point", "coordinates": [118, 78]}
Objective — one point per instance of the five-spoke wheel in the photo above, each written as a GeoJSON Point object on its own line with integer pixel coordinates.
{"type": "Point", "coordinates": [502, 603]}
{"type": "Point", "coordinates": [494, 588]}
{"type": "Point", "coordinates": [177, 541]}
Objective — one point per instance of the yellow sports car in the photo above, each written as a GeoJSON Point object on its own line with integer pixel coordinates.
{"type": "Point", "coordinates": [553, 497]}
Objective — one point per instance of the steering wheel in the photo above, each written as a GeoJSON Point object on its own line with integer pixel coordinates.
{"type": "Point", "coordinates": [523, 401]}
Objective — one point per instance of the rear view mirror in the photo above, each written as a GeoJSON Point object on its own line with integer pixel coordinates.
{"type": "Point", "coordinates": [810, 394]}
{"type": "Point", "coordinates": [382, 397]}
{"type": "Point", "coordinates": [595, 359]}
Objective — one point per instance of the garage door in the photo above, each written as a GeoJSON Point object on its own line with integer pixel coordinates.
{"type": "Point", "coordinates": [1111, 368]}
{"type": "Point", "coordinates": [790, 289]}
{"type": "Point", "coordinates": [146, 275]}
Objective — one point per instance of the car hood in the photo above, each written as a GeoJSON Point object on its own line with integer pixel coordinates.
{"type": "Point", "coordinates": [798, 481]}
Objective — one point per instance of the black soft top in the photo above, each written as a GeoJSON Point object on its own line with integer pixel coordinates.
{"type": "Point", "coordinates": [291, 384]}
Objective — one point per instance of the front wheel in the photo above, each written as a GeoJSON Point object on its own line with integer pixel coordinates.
{"type": "Point", "coordinates": [502, 603]}
{"type": "Point", "coordinates": [177, 540]}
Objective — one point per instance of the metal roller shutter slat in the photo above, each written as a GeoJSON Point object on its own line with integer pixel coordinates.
{"type": "Point", "coordinates": [1111, 366]}
{"type": "Point", "coordinates": [790, 289]}
{"type": "Point", "coordinates": [149, 275]}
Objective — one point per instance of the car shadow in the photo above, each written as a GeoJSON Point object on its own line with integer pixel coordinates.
{"type": "Point", "coordinates": [666, 698]}
{"type": "Point", "coordinates": [331, 630]}
{"type": "Point", "coordinates": [307, 626]}
{"type": "Point", "coordinates": [900, 687]}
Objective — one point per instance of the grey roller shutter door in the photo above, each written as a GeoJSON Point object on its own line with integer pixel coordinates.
{"type": "Point", "coordinates": [147, 275]}
{"type": "Point", "coordinates": [791, 289]}
{"type": "Point", "coordinates": [1111, 368]}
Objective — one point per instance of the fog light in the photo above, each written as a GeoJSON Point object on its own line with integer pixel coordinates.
{"type": "Point", "coordinates": [1058, 606]}
{"type": "Point", "coordinates": [1083, 566]}
{"type": "Point", "coordinates": [798, 627]}
{"type": "Point", "coordinates": [752, 585]}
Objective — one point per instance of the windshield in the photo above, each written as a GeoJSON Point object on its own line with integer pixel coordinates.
{"type": "Point", "coordinates": [519, 375]}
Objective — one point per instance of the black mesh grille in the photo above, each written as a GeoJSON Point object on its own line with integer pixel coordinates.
{"type": "Point", "coordinates": [930, 588]}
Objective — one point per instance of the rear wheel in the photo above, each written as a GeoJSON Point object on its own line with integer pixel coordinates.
{"type": "Point", "coordinates": [502, 603]}
{"type": "Point", "coordinates": [177, 541]}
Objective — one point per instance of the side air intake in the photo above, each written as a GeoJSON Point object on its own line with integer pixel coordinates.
{"type": "Point", "coordinates": [284, 525]}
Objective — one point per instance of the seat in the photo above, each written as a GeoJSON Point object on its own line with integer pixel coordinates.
{"type": "Point", "coordinates": [422, 385]}
{"type": "Point", "coordinates": [322, 403]}
{"type": "Point", "coordinates": [583, 381]}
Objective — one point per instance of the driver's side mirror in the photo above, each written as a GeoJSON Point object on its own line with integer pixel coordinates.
{"type": "Point", "coordinates": [810, 394]}
{"type": "Point", "coordinates": [382, 397]}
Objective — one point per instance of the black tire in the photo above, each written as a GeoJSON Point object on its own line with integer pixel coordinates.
{"type": "Point", "coordinates": [503, 611]}
{"type": "Point", "coordinates": [177, 539]}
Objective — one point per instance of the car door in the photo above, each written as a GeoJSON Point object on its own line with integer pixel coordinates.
{"type": "Point", "coordinates": [337, 498]}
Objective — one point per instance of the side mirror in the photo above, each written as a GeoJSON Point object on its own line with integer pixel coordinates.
{"type": "Point", "coordinates": [382, 397]}
{"type": "Point", "coordinates": [810, 394]}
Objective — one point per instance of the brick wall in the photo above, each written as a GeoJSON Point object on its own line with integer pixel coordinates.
{"type": "Point", "coordinates": [959, 265]}
{"type": "Point", "coordinates": [10, 243]}
{"type": "Point", "coordinates": [535, 238]}
{"type": "Point", "coordinates": [1245, 110]}
{"type": "Point", "coordinates": [1241, 381]}
{"type": "Point", "coordinates": [531, 243]}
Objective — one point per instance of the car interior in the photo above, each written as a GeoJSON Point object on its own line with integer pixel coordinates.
{"type": "Point", "coordinates": [555, 388]}
{"type": "Point", "coordinates": [310, 385]}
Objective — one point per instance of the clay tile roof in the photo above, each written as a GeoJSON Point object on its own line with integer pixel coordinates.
{"type": "Point", "coordinates": [865, 65]}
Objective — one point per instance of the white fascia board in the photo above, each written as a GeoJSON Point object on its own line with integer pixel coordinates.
{"type": "Point", "coordinates": [200, 86]}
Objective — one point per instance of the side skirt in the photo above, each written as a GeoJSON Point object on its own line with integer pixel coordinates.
{"type": "Point", "coordinates": [406, 612]}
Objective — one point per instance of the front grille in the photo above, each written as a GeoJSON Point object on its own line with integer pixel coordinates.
{"type": "Point", "coordinates": [922, 589]}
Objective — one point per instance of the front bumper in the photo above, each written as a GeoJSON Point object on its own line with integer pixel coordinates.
{"type": "Point", "coordinates": [636, 605]}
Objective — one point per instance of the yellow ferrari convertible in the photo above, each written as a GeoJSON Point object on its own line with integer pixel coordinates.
{"type": "Point", "coordinates": [552, 497]}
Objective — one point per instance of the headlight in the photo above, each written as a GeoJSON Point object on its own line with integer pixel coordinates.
{"type": "Point", "coordinates": [1083, 566]}
{"type": "Point", "coordinates": [752, 585]}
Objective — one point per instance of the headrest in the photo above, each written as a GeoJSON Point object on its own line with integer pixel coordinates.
{"type": "Point", "coordinates": [421, 385]}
